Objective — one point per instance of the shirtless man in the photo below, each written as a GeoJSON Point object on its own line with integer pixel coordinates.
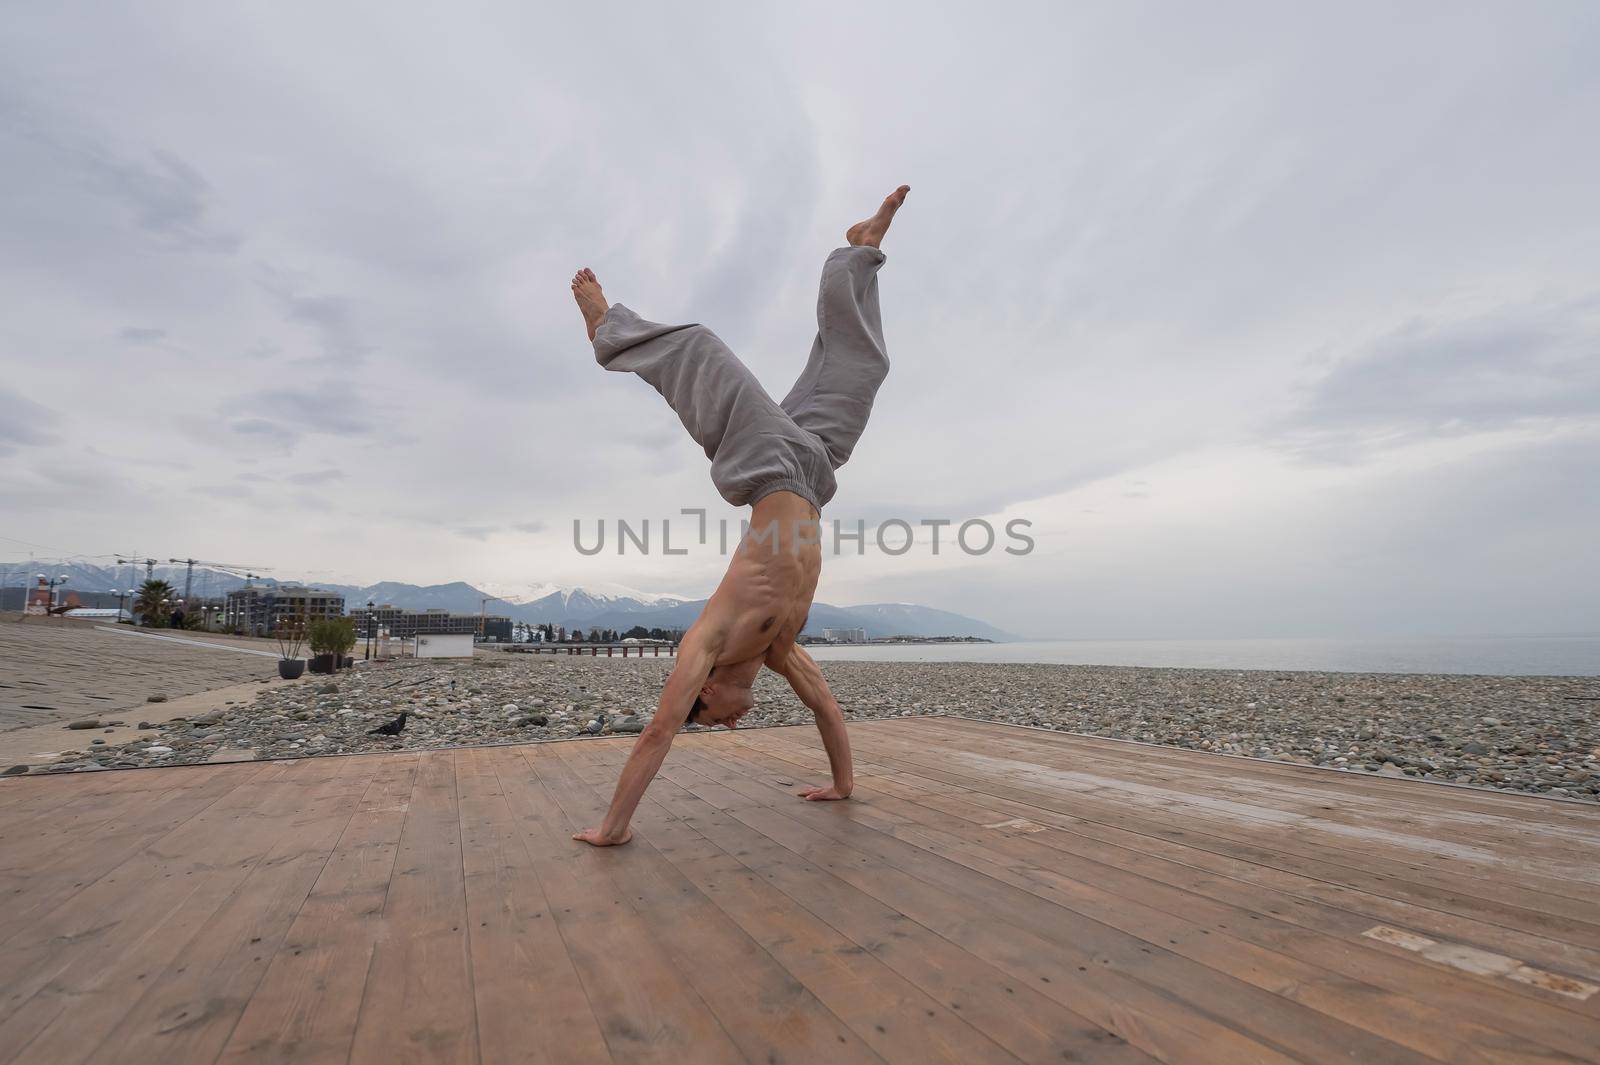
{"type": "Point", "coordinates": [779, 460]}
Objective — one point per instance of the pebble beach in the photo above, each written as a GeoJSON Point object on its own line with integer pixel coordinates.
{"type": "Point", "coordinates": [1527, 734]}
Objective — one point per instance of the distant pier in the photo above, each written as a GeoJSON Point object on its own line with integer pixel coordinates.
{"type": "Point", "coordinates": [593, 649]}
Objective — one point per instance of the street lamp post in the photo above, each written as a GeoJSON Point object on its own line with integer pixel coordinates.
{"type": "Point", "coordinates": [370, 617]}
{"type": "Point", "coordinates": [50, 588]}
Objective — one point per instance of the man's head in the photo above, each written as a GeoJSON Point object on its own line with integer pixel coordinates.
{"type": "Point", "coordinates": [722, 701]}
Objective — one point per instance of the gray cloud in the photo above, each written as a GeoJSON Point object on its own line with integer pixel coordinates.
{"type": "Point", "coordinates": [264, 432]}
{"type": "Point", "coordinates": [225, 491]}
{"type": "Point", "coordinates": [306, 410]}
{"type": "Point", "coordinates": [162, 193]}
{"type": "Point", "coordinates": [1431, 379]}
{"type": "Point", "coordinates": [331, 318]}
{"type": "Point", "coordinates": [325, 476]}
{"type": "Point", "coordinates": [1124, 234]}
{"type": "Point", "coordinates": [139, 335]}
{"type": "Point", "coordinates": [25, 423]}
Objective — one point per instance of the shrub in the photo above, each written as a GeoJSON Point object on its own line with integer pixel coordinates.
{"type": "Point", "coordinates": [332, 636]}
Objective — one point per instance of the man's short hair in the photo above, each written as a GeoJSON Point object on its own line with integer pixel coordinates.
{"type": "Point", "coordinates": [699, 705]}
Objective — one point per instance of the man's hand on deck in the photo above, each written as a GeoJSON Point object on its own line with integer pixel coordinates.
{"type": "Point", "coordinates": [596, 838]}
{"type": "Point", "coordinates": [827, 794]}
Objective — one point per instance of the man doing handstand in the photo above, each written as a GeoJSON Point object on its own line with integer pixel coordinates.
{"type": "Point", "coordinates": [777, 458]}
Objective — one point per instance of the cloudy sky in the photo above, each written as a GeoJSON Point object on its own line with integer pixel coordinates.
{"type": "Point", "coordinates": [1270, 320]}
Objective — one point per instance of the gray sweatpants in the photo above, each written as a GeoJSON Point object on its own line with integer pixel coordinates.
{"type": "Point", "coordinates": [756, 446]}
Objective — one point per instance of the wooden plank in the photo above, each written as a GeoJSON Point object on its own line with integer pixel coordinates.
{"type": "Point", "coordinates": [1279, 849]}
{"type": "Point", "coordinates": [1220, 937]}
{"type": "Point", "coordinates": [647, 1010]}
{"type": "Point", "coordinates": [1553, 879]}
{"type": "Point", "coordinates": [1424, 829]}
{"type": "Point", "coordinates": [25, 798]}
{"type": "Point", "coordinates": [188, 1011]}
{"type": "Point", "coordinates": [1142, 970]}
{"type": "Point", "coordinates": [31, 842]}
{"type": "Point", "coordinates": [1260, 844]}
{"type": "Point", "coordinates": [759, 1003]}
{"type": "Point", "coordinates": [1008, 1011]}
{"type": "Point", "coordinates": [41, 875]}
{"type": "Point", "coordinates": [418, 1003]}
{"type": "Point", "coordinates": [985, 897]}
{"type": "Point", "coordinates": [75, 970]}
{"type": "Point", "coordinates": [530, 1004]}
{"type": "Point", "coordinates": [303, 1011]}
{"type": "Point", "coordinates": [900, 1022]}
{"type": "Point", "coordinates": [1158, 1023]}
{"type": "Point", "coordinates": [1279, 846]}
{"type": "Point", "coordinates": [1308, 929]}
{"type": "Point", "coordinates": [1397, 791]}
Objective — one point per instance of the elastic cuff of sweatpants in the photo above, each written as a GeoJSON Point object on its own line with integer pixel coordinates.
{"type": "Point", "coordinates": [799, 488]}
{"type": "Point", "coordinates": [877, 255]}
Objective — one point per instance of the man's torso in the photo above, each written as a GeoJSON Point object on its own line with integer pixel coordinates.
{"type": "Point", "coordinates": [764, 598]}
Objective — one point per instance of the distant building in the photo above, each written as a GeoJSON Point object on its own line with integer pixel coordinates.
{"type": "Point", "coordinates": [404, 624]}
{"type": "Point", "coordinates": [845, 635]}
{"type": "Point", "coordinates": [261, 611]}
{"type": "Point", "coordinates": [447, 645]}
{"type": "Point", "coordinates": [99, 613]}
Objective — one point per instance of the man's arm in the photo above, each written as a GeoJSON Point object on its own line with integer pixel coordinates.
{"type": "Point", "coordinates": [696, 656]}
{"type": "Point", "coordinates": [805, 677]}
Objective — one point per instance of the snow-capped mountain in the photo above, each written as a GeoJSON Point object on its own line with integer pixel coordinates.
{"type": "Point", "coordinates": [603, 592]}
{"type": "Point", "coordinates": [603, 605]}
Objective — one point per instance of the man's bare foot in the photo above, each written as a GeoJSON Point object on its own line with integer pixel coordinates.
{"type": "Point", "coordinates": [591, 301]}
{"type": "Point", "coordinates": [870, 232]}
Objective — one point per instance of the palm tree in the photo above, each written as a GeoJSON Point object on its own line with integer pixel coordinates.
{"type": "Point", "coordinates": [154, 603]}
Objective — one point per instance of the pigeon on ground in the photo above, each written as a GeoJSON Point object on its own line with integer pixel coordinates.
{"type": "Point", "coordinates": [596, 726]}
{"type": "Point", "coordinates": [391, 729]}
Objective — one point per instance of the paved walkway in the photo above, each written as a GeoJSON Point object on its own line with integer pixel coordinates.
{"type": "Point", "coordinates": [54, 672]}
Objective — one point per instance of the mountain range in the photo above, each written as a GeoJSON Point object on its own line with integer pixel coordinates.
{"type": "Point", "coordinates": [601, 605]}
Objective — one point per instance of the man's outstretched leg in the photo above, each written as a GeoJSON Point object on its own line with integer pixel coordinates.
{"type": "Point", "coordinates": [833, 396]}
{"type": "Point", "coordinates": [754, 446]}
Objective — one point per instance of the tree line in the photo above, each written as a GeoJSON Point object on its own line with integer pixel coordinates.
{"type": "Point", "coordinates": [557, 634]}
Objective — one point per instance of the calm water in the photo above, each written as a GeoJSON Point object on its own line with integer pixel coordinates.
{"type": "Point", "coordinates": [1495, 655]}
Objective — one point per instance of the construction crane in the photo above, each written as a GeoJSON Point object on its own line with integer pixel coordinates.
{"type": "Point", "coordinates": [148, 563]}
{"type": "Point", "coordinates": [483, 609]}
{"type": "Point", "coordinates": [188, 580]}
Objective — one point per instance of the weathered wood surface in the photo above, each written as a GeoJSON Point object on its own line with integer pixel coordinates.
{"type": "Point", "coordinates": [990, 894]}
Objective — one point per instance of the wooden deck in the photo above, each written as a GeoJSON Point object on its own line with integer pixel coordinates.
{"type": "Point", "coordinates": [994, 893]}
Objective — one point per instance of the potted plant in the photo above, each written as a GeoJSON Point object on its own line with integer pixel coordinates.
{"type": "Point", "coordinates": [330, 638]}
{"type": "Point", "coordinates": [291, 637]}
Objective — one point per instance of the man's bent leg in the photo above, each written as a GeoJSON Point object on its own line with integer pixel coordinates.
{"type": "Point", "coordinates": [754, 446]}
{"type": "Point", "coordinates": [833, 396]}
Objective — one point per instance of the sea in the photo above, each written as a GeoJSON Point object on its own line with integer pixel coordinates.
{"type": "Point", "coordinates": [1567, 656]}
